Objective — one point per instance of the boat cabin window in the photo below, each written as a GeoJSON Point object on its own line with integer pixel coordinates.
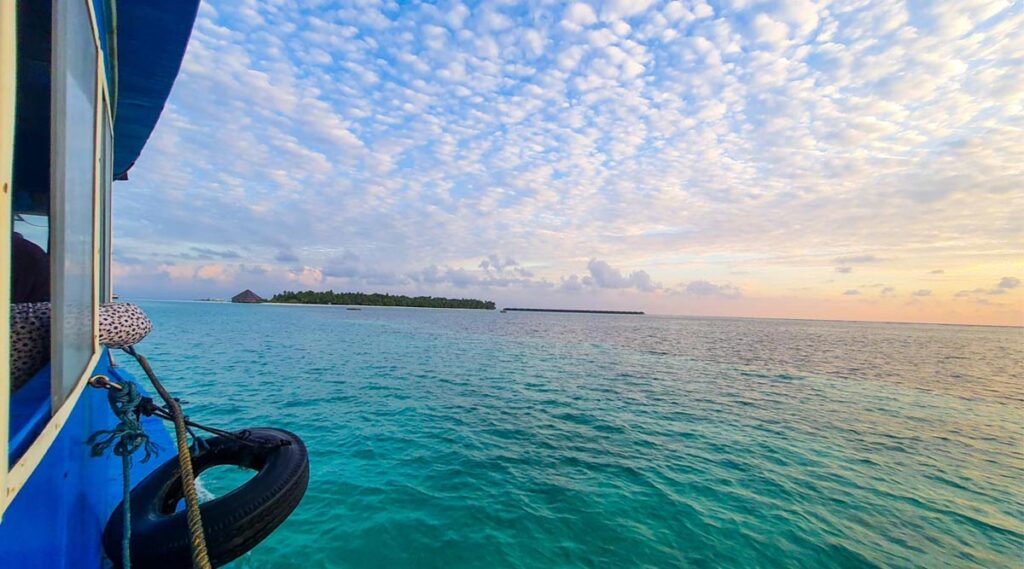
{"type": "Point", "coordinates": [73, 177]}
{"type": "Point", "coordinates": [59, 210]}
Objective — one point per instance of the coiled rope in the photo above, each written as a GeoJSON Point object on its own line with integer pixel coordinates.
{"type": "Point", "coordinates": [126, 438]}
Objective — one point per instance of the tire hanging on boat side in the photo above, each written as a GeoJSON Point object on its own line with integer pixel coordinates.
{"type": "Point", "coordinates": [233, 523]}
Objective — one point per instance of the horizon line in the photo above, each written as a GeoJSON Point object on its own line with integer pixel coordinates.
{"type": "Point", "coordinates": [661, 315]}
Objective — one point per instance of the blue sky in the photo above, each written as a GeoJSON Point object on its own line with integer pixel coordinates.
{"type": "Point", "coordinates": [737, 158]}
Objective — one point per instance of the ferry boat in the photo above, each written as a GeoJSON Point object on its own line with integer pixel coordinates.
{"type": "Point", "coordinates": [82, 86]}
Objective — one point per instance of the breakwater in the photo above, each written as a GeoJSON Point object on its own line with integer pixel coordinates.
{"type": "Point", "coordinates": [569, 310]}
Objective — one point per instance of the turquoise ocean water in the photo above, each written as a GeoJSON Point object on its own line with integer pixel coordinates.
{"type": "Point", "coordinates": [443, 438]}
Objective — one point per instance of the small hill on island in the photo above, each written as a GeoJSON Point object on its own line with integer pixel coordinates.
{"type": "Point", "coordinates": [247, 297]}
{"type": "Point", "coordinates": [378, 299]}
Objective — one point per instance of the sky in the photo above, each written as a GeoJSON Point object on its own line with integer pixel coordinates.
{"type": "Point", "coordinates": [855, 159]}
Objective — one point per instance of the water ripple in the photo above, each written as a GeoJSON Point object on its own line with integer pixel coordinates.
{"type": "Point", "coordinates": [473, 439]}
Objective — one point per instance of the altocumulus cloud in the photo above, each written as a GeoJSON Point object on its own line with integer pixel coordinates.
{"type": "Point", "coordinates": [493, 272]}
{"type": "Point", "coordinates": [426, 134]}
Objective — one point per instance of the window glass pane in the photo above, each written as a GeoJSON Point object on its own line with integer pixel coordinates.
{"type": "Point", "coordinates": [106, 179]}
{"type": "Point", "coordinates": [73, 168]}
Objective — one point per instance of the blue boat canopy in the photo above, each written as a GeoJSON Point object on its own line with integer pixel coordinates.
{"type": "Point", "coordinates": [151, 40]}
{"type": "Point", "coordinates": [143, 42]}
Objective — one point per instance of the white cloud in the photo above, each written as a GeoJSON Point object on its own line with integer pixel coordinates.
{"type": "Point", "coordinates": [306, 276]}
{"type": "Point", "coordinates": [616, 9]}
{"type": "Point", "coordinates": [422, 135]}
{"type": "Point", "coordinates": [769, 31]}
{"type": "Point", "coordinates": [533, 42]}
{"type": "Point", "coordinates": [457, 15]}
{"type": "Point", "coordinates": [675, 11]}
{"type": "Point", "coordinates": [578, 15]}
{"type": "Point", "coordinates": [703, 10]}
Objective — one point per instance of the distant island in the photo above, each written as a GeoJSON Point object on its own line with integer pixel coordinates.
{"type": "Point", "coordinates": [377, 299]}
{"type": "Point", "coordinates": [571, 311]}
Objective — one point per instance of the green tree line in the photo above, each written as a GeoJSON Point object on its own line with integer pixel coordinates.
{"type": "Point", "coordinates": [377, 299]}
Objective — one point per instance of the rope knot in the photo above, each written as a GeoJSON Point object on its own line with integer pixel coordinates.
{"type": "Point", "coordinates": [128, 436]}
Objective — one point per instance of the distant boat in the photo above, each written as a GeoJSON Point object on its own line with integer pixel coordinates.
{"type": "Point", "coordinates": [353, 308]}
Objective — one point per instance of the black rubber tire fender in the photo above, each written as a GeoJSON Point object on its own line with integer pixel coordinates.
{"type": "Point", "coordinates": [233, 523]}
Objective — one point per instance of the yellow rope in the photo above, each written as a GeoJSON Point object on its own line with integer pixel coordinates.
{"type": "Point", "coordinates": [200, 557]}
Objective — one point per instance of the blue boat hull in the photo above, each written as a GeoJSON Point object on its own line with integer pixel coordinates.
{"type": "Point", "coordinates": [57, 519]}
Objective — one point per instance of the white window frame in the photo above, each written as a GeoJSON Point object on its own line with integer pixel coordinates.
{"type": "Point", "coordinates": [13, 478]}
{"type": "Point", "coordinates": [8, 78]}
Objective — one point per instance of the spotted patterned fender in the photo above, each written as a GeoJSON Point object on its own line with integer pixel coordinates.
{"type": "Point", "coordinates": [121, 325]}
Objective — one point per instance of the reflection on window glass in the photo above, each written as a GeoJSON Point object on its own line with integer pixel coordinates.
{"type": "Point", "coordinates": [35, 228]}
{"type": "Point", "coordinates": [106, 179]}
{"type": "Point", "coordinates": [30, 308]}
{"type": "Point", "coordinates": [74, 82]}
{"type": "Point", "coordinates": [30, 237]}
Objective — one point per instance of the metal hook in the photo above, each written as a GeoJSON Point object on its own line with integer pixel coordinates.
{"type": "Point", "coordinates": [103, 382]}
